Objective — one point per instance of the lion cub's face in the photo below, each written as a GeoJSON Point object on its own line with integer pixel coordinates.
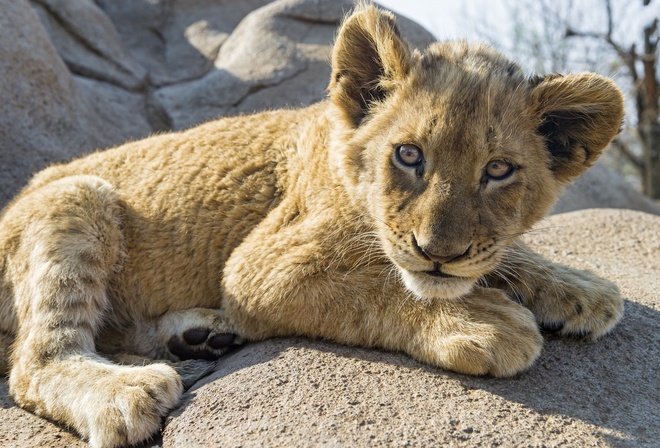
{"type": "Point", "coordinates": [455, 169]}
{"type": "Point", "coordinates": [454, 152]}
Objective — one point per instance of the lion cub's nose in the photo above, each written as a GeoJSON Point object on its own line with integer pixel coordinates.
{"type": "Point", "coordinates": [440, 258]}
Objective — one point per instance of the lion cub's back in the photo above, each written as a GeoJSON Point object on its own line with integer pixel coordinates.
{"type": "Point", "coordinates": [173, 162]}
{"type": "Point", "coordinates": [189, 198]}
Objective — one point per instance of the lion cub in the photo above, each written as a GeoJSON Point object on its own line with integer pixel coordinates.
{"type": "Point", "coordinates": [386, 216]}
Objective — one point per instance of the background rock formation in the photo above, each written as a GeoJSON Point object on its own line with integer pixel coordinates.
{"type": "Point", "coordinates": [77, 76]}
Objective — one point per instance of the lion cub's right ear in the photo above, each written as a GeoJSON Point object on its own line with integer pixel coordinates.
{"type": "Point", "coordinates": [368, 59]}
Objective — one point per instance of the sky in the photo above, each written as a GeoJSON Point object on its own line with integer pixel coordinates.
{"type": "Point", "coordinates": [520, 29]}
{"type": "Point", "coordinates": [451, 18]}
{"type": "Point", "coordinates": [444, 18]}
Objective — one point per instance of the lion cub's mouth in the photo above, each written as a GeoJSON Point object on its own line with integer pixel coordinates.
{"type": "Point", "coordinates": [435, 284]}
{"type": "Point", "coordinates": [438, 273]}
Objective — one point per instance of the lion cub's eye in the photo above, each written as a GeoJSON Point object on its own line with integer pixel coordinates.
{"type": "Point", "coordinates": [409, 155]}
{"type": "Point", "coordinates": [498, 169]}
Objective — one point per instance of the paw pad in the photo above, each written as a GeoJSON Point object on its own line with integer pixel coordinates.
{"type": "Point", "coordinates": [551, 327]}
{"type": "Point", "coordinates": [220, 341]}
{"type": "Point", "coordinates": [200, 343]}
{"type": "Point", "coordinates": [196, 336]}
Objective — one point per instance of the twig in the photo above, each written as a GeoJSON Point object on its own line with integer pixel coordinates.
{"type": "Point", "coordinates": [627, 152]}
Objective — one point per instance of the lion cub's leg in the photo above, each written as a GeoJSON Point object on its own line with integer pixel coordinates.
{"type": "Point", "coordinates": [564, 299]}
{"type": "Point", "coordinates": [70, 246]}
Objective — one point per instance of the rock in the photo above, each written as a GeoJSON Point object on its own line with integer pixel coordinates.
{"type": "Point", "coordinates": [43, 116]}
{"type": "Point", "coordinates": [277, 56]}
{"type": "Point", "coordinates": [89, 43]}
{"type": "Point", "coordinates": [601, 187]}
{"type": "Point", "coordinates": [176, 41]}
{"type": "Point", "coordinates": [295, 392]}
{"type": "Point", "coordinates": [111, 105]}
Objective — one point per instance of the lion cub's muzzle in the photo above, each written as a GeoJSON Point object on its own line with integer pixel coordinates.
{"type": "Point", "coordinates": [439, 259]}
{"type": "Point", "coordinates": [448, 275]}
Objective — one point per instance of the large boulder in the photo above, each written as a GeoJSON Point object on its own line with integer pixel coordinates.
{"type": "Point", "coordinates": [277, 56]}
{"type": "Point", "coordinates": [601, 187]}
{"type": "Point", "coordinates": [46, 113]}
{"type": "Point", "coordinates": [293, 392]}
{"type": "Point", "coordinates": [297, 392]}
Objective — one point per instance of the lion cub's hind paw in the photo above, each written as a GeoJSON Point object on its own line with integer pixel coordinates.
{"type": "Point", "coordinates": [197, 333]}
{"type": "Point", "coordinates": [202, 343]}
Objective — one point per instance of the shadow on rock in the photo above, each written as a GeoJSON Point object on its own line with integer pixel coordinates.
{"type": "Point", "coordinates": [282, 389]}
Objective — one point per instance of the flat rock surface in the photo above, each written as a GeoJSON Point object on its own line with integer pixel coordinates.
{"type": "Point", "coordinates": [297, 392]}
{"type": "Point", "coordinates": [293, 392]}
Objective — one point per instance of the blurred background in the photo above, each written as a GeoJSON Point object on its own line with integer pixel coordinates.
{"type": "Point", "coordinates": [617, 38]}
{"type": "Point", "coordinates": [87, 74]}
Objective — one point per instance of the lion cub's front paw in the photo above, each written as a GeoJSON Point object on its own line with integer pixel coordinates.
{"type": "Point", "coordinates": [488, 335]}
{"type": "Point", "coordinates": [577, 303]}
{"type": "Point", "coordinates": [500, 355]}
{"type": "Point", "coordinates": [129, 405]}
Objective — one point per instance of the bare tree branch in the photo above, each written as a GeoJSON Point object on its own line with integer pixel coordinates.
{"type": "Point", "coordinates": [627, 152]}
{"type": "Point", "coordinates": [629, 57]}
{"type": "Point", "coordinates": [651, 84]}
{"type": "Point", "coordinates": [610, 21]}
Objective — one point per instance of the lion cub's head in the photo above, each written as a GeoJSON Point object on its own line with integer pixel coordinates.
{"type": "Point", "coordinates": [454, 152]}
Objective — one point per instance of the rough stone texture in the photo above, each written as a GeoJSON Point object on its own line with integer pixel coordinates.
{"type": "Point", "coordinates": [177, 41]}
{"type": "Point", "coordinates": [293, 392]}
{"type": "Point", "coordinates": [293, 36]}
{"type": "Point", "coordinates": [43, 116]}
{"type": "Point", "coordinates": [82, 75]}
{"type": "Point", "coordinates": [600, 187]}
{"type": "Point", "coordinates": [75, 28]}
{"type": "Point", "coordinates": [296, 392]}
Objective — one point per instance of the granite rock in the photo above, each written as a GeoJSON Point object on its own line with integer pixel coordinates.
{"type": "Point", "coordinates": [295, 392]}
{"type": "Point", "coordinates": [298, 392]}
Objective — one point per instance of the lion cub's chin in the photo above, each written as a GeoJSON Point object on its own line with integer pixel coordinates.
{"type": "Point", "coordinates": [424, 286]}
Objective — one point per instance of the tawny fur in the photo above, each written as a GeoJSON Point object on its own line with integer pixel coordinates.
{"type": "Point", "coordinates": [305, 222]}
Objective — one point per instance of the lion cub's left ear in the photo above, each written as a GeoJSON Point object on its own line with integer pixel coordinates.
{"type": "Point", "coordinates": [580, 115]}
{"type": "Point", "coordinates": [368, 59]}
